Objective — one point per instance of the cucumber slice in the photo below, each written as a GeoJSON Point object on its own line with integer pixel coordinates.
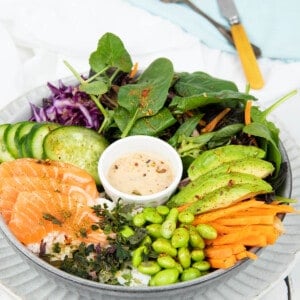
{"type": "Point", "coordinates": [76, 145]}
{"type": "Point", "coordinates": [35, 139]}
{"type": "Point", "coordinates": [9, 139]}
{"type": "Point", "coordinates": [4, 153]}
{"type": "Point", "coordinates": [20, 137]}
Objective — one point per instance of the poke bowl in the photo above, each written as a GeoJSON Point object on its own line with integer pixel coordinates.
{"type": "Point", "coordinates": [89, 288]}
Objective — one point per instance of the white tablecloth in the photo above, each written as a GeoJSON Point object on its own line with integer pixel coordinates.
{"type": "Point", "coordinates": [36, 36]}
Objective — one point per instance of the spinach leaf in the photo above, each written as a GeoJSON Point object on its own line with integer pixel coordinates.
{"type": "Point", "coordinates": [227, 98]}
{"type": "Point", "coordinates": [200, 82]}
{"type": "Point", "coordinates": [110, 52]}
{"type": "Point", "coordinates": [106, 62]}
{"type": "Point", "coordinates": [224, 135]}
{"type": "Point", "coordinates": [152, 125]}
{"type": "Point", "coordinates": [262, 130]}
{"type": "Point", "coordinates": [148, 96]}
{"type": "Point", "coordinates": [267, 131]}
{"type": "Point", "coordinates": [96, 88]}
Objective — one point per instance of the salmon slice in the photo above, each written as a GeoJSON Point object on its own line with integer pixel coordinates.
{"type": "Point", "coordinates": [61, 171]}
{"type": "Point", "coordinates": [36, 214]}
{"type": "Point", "coordinates": [28, 174]}
{"type": "Point", "coordinates": [11, 186]}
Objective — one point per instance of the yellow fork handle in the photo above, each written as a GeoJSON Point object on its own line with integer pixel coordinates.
{"type": "Point", "coordinates": [247, 57]}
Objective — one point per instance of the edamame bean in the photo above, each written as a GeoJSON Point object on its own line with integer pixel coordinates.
{"type": "Point", "coordinates": [173, 214]}
{"type": "Point", "coordinates": [196, 241]}
{"type": "Point", "coordinates": [201, 265]}
{"type": "Point", "coordinates": [149, 267]}
{"type": "Point", "coordinates": [169, 225]}
{"type": "Point", "coordinates": [126, 232]}
{"type": "Point", "coordinates": [137, 256]}
{"type": "Point", "coordinates": [184, 257]}
{"type": "Point", "coordinates": [139, 220]}
{"type": "Point", "coordinates": [186, 217]}
{"type": "Point", "coordinates": [152, 216]}
{"type": "Point", "coordinates": [162, 210]}
{"type": "Point", "coordinates": [179, 267]}
{"type": "Point", "coordinates": [167, 228]}
{"type": "Point", "coordinates": [162, 245]}
{"type": "Point", "coordinates": [189, 274]}
{"type": "Point", "coordinates": [180, 238]}
{"type": "Point", "coordinates": [165, 277]}
{"type": "Point", "coordinates": [166, 261]}
{"type": "Point", "coordinates": [197, 254]}
{"type": "Point", "coordinates": [207, 231]}
{"type": "Point", "coordinates": [154, 230]}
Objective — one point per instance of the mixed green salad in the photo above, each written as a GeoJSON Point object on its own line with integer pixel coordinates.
{"type": "Point", "coordinates": [194, 112]}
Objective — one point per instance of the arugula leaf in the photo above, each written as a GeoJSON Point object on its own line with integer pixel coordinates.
{"type": "Point", "coordinates": [110, 52]}
{"type": "Point", "coordinates": [227, 98]}
{"type": "Point", "coordinates": [185, 129]}
{"type": "Point", "coordinates": [200, 82]}
{"type": "Point", "coordinates": [193, 145]}
{"type": "Point", "coordinates": [148, 96]}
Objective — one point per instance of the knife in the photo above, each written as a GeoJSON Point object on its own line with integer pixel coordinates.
{"type": "Point", "coordinates": [242, 44]}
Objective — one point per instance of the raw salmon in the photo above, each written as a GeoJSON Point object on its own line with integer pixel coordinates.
{"type": "Point", "coordinates": [11, 186]}
{"type": "Point", "coordinates": [36, 214]}
{"type": "Point", "coordinates": [61, 171]}
{"type": "Point", "coordinates": [28, 174]}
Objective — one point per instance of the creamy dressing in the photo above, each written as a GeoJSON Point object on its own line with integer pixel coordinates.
{"type": "Point", "coordinates": [140, 173]}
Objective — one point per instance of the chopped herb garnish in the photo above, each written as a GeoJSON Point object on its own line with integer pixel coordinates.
{"type": "Point", "coordinates": [52, 219]}
{"type": "Point", "coordinates": [56, 248]}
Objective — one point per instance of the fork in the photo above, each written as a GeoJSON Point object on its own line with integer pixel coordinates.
{"type": "Point", "coordinates": [223, 30]}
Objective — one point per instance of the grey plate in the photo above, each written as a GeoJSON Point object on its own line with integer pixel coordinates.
{"type": "Point", "coordinates": [248, 280]}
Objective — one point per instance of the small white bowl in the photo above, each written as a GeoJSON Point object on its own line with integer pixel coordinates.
{"type": "Point", "coordinates": [140, 143]}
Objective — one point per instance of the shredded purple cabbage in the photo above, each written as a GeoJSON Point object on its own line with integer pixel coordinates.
{"type": "Point", "coordinates": [67, 106]}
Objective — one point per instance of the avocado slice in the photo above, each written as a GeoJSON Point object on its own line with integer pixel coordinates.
{"type": "Point", "coordinates": [228, 195]}
{"type": "Point", "coordinates": [205, 184]}
{"type": "Point", "coordinates": [252, 165]}
{"type": "Point", "coordinates": [211, 159]}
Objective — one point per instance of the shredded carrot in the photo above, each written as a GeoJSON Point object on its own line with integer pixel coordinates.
{"type": "Point", "coordinates": [213, 215]}
{"type": "Point", "coordinates": [218, 251]}
{"type": "Point", "coordinates": [278, 225]}
{"type": "Point", "coordinates": [255, 240]}
{"type": "Point", "coordinates": [134, 70]}
{"type": "Point", "coordinates": [247, 220]}
{"type": "Point", "coordinates": [191, 114]}
{"type": "Point", "coordinates": [241, 255]}
{"type": "Point", "coordinates": [280, 208]}
{"type": "Point", "coordinates": [223, 250]}
{"type": "Point", "coordinates": [245, 254]}
{"type": "Point", "coordinates": [222, 263]}
{"type": "Point", "coordinates": [183, 207]}
{"type": "Point", "coordinates": [251, 255]}
{"type": "Point", "coordinates": [251, 223]}
{"type": "Point", "coordinates": [214, 122]}
{"type": "Point", "coordinates": [222, 229]}
{"type": "Point", "coordinates": [248, 112]}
